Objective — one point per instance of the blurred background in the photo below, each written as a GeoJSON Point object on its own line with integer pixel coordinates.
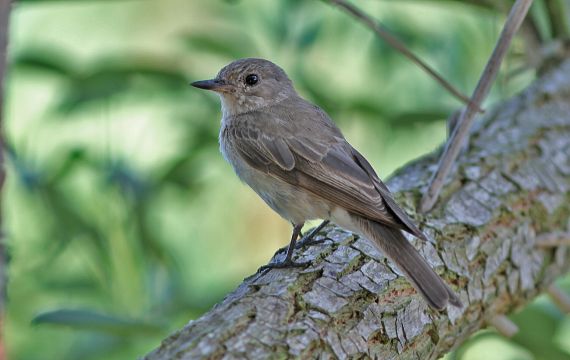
{"type": "Point", "coordinates": [123, 220]}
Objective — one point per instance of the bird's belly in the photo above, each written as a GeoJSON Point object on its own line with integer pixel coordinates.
{"type": "Point", "coordinates": [344, 219]}
{"type": "Point", "coordinates": [292, 203]}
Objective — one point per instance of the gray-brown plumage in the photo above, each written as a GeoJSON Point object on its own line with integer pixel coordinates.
{"type": "Point", "coordinates": [291, 153]}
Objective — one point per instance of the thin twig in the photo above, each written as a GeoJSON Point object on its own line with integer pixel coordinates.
{"type": "Point", "coordinates": [401, 47]}
{"type": "Point", "coordinates": [503, 325]}
{"type": "Point", "coordinates": [560, 298]}
{"type": "Point", "coordinates": [453, 146]}
{"type": "Point", "coordinates": [553, 239]}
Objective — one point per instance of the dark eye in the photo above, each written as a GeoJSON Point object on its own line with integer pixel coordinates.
{"type": "Point", "coordinates": [251, 79]}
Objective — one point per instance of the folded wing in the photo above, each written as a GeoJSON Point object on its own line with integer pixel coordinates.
{"type": "Point", "coordinates": [324, 164]}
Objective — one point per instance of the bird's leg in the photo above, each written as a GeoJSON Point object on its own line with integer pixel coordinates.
{"type": "Point", "coordinates": [288, 262]}
{"type": "Point", "coordinates": [308, 240]}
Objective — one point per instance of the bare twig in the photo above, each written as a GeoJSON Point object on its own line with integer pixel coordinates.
{"type": "Point", "coordinates": [4, 21]}
{"type": "Point", "coordinates": [553, 239]}
{"type": "Point", "coordinates": [503, 325]}
{"type": "Point", "coordinates": [401, 47]}
{"type": "Point", "coordinates": [453, 146]}
{"type": "Point", "coordinates": [560, 298]}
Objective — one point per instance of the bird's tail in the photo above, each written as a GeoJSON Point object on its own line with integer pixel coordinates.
{"type": "Point", "coordinates": [398, 249]}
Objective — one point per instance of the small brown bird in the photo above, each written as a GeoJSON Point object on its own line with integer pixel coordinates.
{"type": "Point", "coordinates": [292, 155]}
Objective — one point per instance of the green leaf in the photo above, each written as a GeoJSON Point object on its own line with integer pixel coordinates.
{"type": "Point", "coordinates": [44, 60]}
{"type": "Point", "coordinates": [118, 77]}
{"type": "Point", "coordinates": [228, 45]}
{"type": "Point", "coordinates": [537, 329]}
{"type": "Point", "coordinates": [94, 321]}
{"type": "Point", "coordinates": [68, 165]}
{"type": "Point", "coordinates": [309, 36]}
{"type": "Point", "coordinates": [98, 86]}
{"type": "Point", "coordinates": [413, 117]}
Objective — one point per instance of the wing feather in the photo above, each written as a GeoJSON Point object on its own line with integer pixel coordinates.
{"type": "Point", "coordinates": [278, 150]}
{"type": "Point", "coordinates": [387, 196]}
{"type": "Point", "coordinates": [324, 163]}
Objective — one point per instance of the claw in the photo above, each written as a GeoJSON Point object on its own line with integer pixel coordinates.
{"type": "Point", "coordinates": [308, 240]}
{"type": "Point", "coordinates": [284, 265]}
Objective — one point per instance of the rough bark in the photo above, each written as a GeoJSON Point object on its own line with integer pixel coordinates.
{"type": "Point", "coordinates": [509, 187]}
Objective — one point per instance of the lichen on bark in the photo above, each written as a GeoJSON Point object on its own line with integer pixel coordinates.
{"type": "Point", "coordinates": [510, 185]}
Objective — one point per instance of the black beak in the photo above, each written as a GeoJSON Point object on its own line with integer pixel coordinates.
{"type": "Point", "coordinates": [213, 84]}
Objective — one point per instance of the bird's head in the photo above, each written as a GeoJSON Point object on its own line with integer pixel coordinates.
{"type": "Point", "coordinates": [247, 85]}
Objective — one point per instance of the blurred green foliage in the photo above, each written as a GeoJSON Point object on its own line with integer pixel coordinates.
{"type": "Point", "coordinates": [123, 220]}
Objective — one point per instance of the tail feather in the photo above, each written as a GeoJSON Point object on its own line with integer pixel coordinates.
{"type": "Point", "coordinates": [398, 249]}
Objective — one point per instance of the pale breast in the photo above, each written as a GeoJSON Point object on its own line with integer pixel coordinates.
{"type": "Point", "coordinates": [294, 204]}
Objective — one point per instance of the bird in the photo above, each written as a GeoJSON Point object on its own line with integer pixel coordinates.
{"type": "Point", "coordinates": [296, 159]}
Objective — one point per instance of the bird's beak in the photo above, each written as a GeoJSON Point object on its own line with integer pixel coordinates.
{"type": "Point", "coordinates": [213, 84]}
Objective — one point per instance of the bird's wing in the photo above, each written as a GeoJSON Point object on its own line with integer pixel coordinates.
{"type": "Point", "coordinates": [387, 196]}
{"type": "Point", "coordinates": [324, 164]}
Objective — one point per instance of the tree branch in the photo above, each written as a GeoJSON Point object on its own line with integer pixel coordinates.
{"type": "Point", "coordinates": [453, 145]}
{"type": "Point", "coordinates": [512, 188]}
{"type": "Point", "coordinates": [399, 46]}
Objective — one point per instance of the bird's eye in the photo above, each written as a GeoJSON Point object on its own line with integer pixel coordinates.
{"type": "Point", "coordinates": [251, 79]}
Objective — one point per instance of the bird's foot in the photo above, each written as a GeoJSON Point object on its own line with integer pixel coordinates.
{"type": "Point", "coordinates": [309, 239]}
{"type": "Point", "coordinates": [284, 265]}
